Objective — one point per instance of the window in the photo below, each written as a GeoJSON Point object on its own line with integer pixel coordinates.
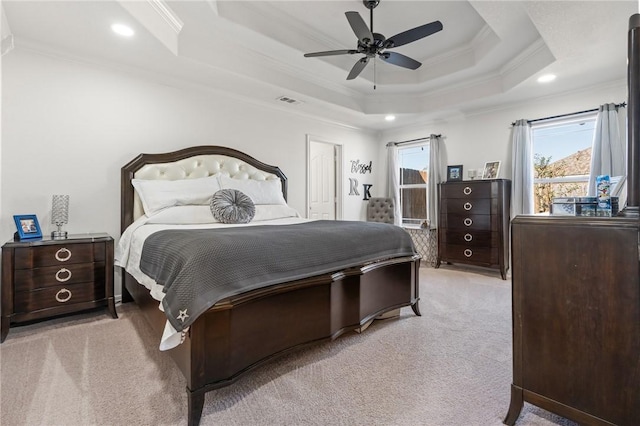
{"type": "Point", "coordinates": [561, 159]}
{"type": "Point", "coordinates": [414, 166]}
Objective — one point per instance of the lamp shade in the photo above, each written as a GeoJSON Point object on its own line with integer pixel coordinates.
{"type": "Point", "coordinates": [60, 210]}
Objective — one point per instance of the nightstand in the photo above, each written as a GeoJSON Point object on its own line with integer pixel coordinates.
{"type": "Point", "coordinates": [44, 278]}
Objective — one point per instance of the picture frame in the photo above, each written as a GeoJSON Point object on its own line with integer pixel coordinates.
{"type": "Point", "coordinates": [27, 226]}
{"type": "Point", "coordinates": [454, 173]}
{"type": "Point", "coordinates": [491, 170]}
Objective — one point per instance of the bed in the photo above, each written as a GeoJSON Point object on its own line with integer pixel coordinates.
{"type": "Point", "coordinates": [244, 329]}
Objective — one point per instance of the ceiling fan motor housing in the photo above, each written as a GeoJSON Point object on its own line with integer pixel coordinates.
{"type": "Point", "coordinates": [370, 4]}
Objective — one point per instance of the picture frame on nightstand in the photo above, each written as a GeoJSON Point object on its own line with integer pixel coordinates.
{"type": "Point", "coordinates": [27, 226]}
{"type": "Point", "coordinates": [454, 173]}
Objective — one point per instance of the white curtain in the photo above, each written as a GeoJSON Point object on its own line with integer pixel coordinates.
{"type": "Point", "coordinates": [393, 184]}
{"type": "Point", "coordinates": [435, 177]}
{"type": "Point", "coordinates": [608, 155]}
{"type": "Point", "coordinates": [522, 173]}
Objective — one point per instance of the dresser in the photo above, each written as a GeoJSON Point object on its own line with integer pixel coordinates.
{"type": "Point", "coordinates": [474, 223]}
{"type": "Point", "coordinates": [44, 278]}
{"type": "Point", "coordinates": [576, 318]}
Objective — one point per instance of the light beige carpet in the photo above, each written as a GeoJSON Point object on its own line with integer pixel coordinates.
{"type": "Point", "coordinates": [452, 366]}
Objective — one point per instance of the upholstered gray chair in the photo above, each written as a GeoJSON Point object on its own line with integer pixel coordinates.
{"type": "Point", "coordinates": [380, 210]}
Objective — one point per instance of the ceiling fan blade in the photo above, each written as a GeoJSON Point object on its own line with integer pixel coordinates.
{"type": "Point", "coordinates": [359, 27]}
{"type": "Point", "coordinates": [331, 53]}
{"type": "Point", "coordinates": [413, 34]}
{"type": "Point", "coordinates": [357, 68]}
{"type": "Point", "coordinates": [400, 60]}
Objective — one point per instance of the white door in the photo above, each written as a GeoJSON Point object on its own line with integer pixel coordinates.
{"type": "Point", "coordinates": [322, 180]}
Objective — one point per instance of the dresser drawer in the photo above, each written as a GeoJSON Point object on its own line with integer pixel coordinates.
{"type": "Point", "coordinates": [30, 279]}
{"type": "Point", "coordinates": [468, 254]}
{"type": "Point", "coordinates": [470, 238]}
{"type": "Point", "coordinates": [477, 222]}
{"type": "Point", "coordinates": [466, 190]}
{"type": "Point", "coordinates": [62, 254]}
{"type": "Point", "coordinates": [467, 206]}
{"type": "Point", "coordinates": [53, 297]}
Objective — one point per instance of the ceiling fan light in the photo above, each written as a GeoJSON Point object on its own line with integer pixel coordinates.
{"type": "Point", "coordinates": [389, 117]}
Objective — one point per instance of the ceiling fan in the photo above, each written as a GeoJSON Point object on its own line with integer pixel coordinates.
{"type": "Point", "coordinates": [371, 44]}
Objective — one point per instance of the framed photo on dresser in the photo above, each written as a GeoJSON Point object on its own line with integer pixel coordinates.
{"type": "Point", "coordinates": [27, 226]}
{"type": "Point", "coordinates": [454, 173]}
{"type": "Point", "coordinates": [491, 170]}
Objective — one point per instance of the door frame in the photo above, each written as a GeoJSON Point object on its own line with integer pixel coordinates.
{"type": "Point", "coordinates": [338, 174]}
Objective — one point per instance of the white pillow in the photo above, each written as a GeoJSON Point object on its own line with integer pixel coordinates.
{"type": "Point", "coordinates": [273, 211]}
{"type": "Point", "coordinates": [260, 191]}
{"type": "Point", "coordinates": [160, 194]}
{"type": "Point", "coordinates": [184, 215]}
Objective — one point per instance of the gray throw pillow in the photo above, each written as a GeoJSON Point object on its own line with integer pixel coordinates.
{"type": "Point", "coordinates": [232, 206]}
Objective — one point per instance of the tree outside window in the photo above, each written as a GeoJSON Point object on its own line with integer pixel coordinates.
{"type": "Point", "coordinates": [561, 160]}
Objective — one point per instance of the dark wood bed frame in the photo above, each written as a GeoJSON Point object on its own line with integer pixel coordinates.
{"type": "Point", "coordinates": [245, 331]}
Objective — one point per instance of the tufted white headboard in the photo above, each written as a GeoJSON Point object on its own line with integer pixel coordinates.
{"type": "Point", "coordinates": [189, 163]}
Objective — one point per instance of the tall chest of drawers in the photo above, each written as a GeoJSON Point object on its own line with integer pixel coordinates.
{"type": "Point", "coordinates": [474, 223]}
{"type": "Point", "coordinates": [45, 278]}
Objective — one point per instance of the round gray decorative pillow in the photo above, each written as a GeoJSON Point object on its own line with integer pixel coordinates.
{"type": "Point", "coordinates": [232, 206]}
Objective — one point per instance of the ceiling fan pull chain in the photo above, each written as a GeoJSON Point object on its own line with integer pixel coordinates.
{"type": "Point", "coordinates": [374, 73]}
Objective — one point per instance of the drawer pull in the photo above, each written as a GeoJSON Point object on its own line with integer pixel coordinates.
{"type": "Point", "coordinates": [63, 255]}
{"type": "Point", "coordinates": [468, 206]}
{"type": "Point", "coordinates": [468, 252]}
{"type": "Point", "coordinates": [467, 190]}
{"type": "Point", "coordinates": [63, 295]}
{"type": "Point", "coordinates": [468, 237]}
{"type": "Point", "coordinates": [467, 221]}
{"type": "Point", "coordinates": [62, 278]}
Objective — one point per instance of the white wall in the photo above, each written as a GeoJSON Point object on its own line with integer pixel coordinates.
{"type": "Point", "coordinates": [474, 140]}
{"type": "Point", "coordinates": [68, 128]}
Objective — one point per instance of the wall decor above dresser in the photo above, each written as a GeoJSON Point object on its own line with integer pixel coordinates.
{"type": "Point", "coordinates": [474, 223]}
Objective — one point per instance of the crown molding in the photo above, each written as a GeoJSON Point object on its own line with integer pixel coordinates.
{"type": "Point", "coordinates": [198, 89]}
{"type": "Point", "coordinates": [167, 14]}
{"type": "Point", "coordinates": [158, 18]}
{"type": "Point", "coordinates": [613, 84]}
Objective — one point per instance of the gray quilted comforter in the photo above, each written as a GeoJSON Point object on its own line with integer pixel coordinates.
{"type": "Point", "coordinates": [198, 268]}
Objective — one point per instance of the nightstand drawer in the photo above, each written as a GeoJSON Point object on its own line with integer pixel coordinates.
{"type": "Point", "coordinates": [30, 279]}
{"type": "Point", "coordinates": [54, 297]}
{"type": "Point", "coordinates": [59, 254]}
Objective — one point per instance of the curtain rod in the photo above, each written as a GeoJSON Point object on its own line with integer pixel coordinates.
{"type": "Point", "coordinates": [623, 104]}
{"type": "Point", "coordinates": [412, 140]}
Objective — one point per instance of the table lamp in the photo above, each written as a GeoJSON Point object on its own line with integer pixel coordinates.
{"type": "Point", "coordinates": [59, 215]}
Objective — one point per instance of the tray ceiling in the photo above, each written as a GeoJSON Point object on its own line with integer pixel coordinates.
{"type": "Point", "coordinates": [489, 53]}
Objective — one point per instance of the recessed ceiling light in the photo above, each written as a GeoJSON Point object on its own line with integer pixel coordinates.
{"type": "Point", "coordinates": [122, 30]}
{"type": "Point", "coordinates": [390, 117]}
{"type": "Point", "coordinates": [545, 78]}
